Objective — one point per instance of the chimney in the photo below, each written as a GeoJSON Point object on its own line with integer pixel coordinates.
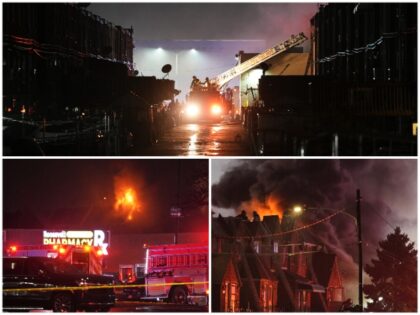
{"type": "Point", "coordinates": [242, 216]}
{"type": "Point", "coordinates": [256, 216]}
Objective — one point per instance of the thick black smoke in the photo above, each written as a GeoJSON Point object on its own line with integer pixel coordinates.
{"type": "Point", "coordinates": [389, 199]}
{"type": "Point", "coordinates": [313, 182]}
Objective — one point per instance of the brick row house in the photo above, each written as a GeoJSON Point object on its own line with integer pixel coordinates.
{"type": "Point", "coordinates": [259, 266]}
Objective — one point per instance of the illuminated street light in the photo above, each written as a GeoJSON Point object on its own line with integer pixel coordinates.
{"type": "Point", "coordinates": [176, 213]}
{"type": "Point", "coordinates": [297, 209]}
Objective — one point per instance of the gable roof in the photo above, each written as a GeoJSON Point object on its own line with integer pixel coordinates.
{"type": "Point", "coordinates": [323, 267]}
{"type": "Point", "coordinates": [257, 268]}
{"type": "Point", "coordinates": [219, 267]}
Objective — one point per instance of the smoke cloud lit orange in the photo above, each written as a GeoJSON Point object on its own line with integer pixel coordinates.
{"type": "Point", "coordinates": [270, 206]}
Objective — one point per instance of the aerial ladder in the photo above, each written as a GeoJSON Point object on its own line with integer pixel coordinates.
{"type": "Point", "coordinates": [230, 74]}
{"type": "Point", "coordinates": [206, 101]}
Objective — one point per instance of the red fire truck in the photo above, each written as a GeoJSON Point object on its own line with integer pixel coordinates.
{"type": "Point", "coordinates": [88, 259]}
{"type": "Point", "coordinates": [177, 273]}
{"type": "Point", "coordinates": [84, 249]}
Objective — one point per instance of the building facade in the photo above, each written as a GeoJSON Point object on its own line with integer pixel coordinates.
{"type": "Point", "coordinates": [366, 42]}
{"type": "Point", "coordinates": [54, 55]}
{"type": "Point", "coordinates": [276, 270]}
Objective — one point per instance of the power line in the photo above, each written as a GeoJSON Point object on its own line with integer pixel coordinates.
{"type": "Point", "coordinates": [385, 220]}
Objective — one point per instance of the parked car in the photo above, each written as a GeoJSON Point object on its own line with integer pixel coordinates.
{"type": "Point", "coordinates": [136, 291]}
{"type": "Point", "coordinates": [67, 289]}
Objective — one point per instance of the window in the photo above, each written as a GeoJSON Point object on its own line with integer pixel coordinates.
{"type": "Point", "coordinates": [171, 261]}
{"type": "Point", "coordinates": [257, 246]}
{"type": "Point", "coordinates": [179, 260]}
{"type": "Point", "coordinates": [202, 259]}
{"type": "Point", "coordinates": [161, 262]}
{"type": "Point", "coordinates": [335, 295]}
{"type": "Point", "coordinates": [276, 247]}
{"type": "Point", "coordinates": [230, 295]}
{"type": "Point", "coordinates": [193, 259]}
{"type": "Point", "coordinates": [303, 301]}
{"type": "Point", "coordinates": [233, 293]}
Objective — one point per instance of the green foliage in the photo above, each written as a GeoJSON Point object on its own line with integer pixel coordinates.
{"type": "Point", "coordinates": [394, 275]}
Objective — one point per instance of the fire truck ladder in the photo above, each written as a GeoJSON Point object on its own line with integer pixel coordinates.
{"type": "Point", "coordinates": [228, 75]}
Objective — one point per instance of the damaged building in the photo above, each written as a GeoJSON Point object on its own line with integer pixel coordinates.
{"type": "Point", "coordinates": [263, 265]}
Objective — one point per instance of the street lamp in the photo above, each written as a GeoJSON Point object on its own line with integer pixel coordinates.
{"type": "Point", "coordinates": [176, 213]}
{"type": "Point", "coordinates": [297, 209]}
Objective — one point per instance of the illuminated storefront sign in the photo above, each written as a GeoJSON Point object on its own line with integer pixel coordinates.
{"type": "Point", "coordinates": [76, 238]}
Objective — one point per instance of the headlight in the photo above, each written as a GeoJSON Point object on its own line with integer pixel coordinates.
{"type": "Point", "coordinates": [192, 110]}
{"type": "Point", "coordinates": [87, 283]}
{"type": "Point", "coordinates": [216, 109]}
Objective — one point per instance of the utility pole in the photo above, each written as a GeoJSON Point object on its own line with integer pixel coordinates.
{"type": "Point", "coordinates": [176, 212]}
{"type": "Point", "coordinates": [359, 239]}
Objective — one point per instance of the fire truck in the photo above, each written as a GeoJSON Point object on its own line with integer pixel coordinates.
{"type": "Point", "coordinates": [207, 101]}
{"type": "Point", "coordinates": [88, 259]}
{"type": "Point", "coordinates": [177, 273]}
{"type": "Point", "coordinates": [83, 249]}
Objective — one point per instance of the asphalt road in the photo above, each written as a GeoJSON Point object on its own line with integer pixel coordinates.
{"type": "Point", "coordinates": [202, 139]}
{"type": "Point", "coordinates": [134, 306]}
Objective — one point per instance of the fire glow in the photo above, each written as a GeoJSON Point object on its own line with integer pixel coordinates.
{"type": "Point", "coordinates": [126, 201]}
{"type": "Point", "coordinates": [270, 206]}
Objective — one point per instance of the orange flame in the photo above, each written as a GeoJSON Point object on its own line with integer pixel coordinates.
{"type": "Point", "coordinates": [126, 201]}
{"type": "Point", "coordinates": [270, 206]}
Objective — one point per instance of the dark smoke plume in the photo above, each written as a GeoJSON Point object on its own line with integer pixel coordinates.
{"type": "Point", "coordinates": [388, 187]}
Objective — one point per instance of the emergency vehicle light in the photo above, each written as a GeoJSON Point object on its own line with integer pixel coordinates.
{"type": "Point", "coordinates": [61, 251]}
{"type": "Point", "coordinates": [193, 110]}
{"type": "Point", "coordinates": [13, 248]}
{"type": "Point", "coordinates": [216, 109]}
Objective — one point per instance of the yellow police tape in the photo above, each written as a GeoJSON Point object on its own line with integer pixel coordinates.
{"type": "Point", "coordinates": [90, 287]}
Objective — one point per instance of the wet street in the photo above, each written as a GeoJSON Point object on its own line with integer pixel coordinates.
{"type": "Point", "coordinates": [137, 306]}
{"type": "Point", "coordinates": [134, 306]}
{"type": "Point", "coordinates": [202, 139]}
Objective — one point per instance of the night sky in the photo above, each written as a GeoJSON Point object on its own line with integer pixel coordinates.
{"type": "Point", "coordinates": [217, 31]}
{"type": "Point", "coordinates": [267, 21]}
{"type": "Point", "coordinates": [80, 194]}
{"type": "Point", "coordinates": [388, 189]}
